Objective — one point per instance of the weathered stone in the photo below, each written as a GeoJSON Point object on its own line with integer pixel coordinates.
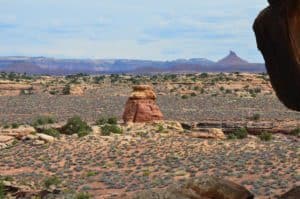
{"type": "Point", "coordinates": [46, 138]}
{"type": "Point", "coordinates": [6, 139]}
{"type": "Point", "coordinates": [205, 187]}
{"type": "Point", "coordinates": [277, 31]}
{"type": "Point", "coordinates": [141, 106]}
{"type": "Point", "coordinates": [20, 132]}
{"type": "Point", "coordinates": [212, 133]}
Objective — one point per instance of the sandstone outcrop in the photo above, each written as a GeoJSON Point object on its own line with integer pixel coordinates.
{"type": "Point", "coordinates": [277, 30]}
{"type": "Point", "coordinates": [14, 89]}
{"type": "Point", "coordinates": [212, 133]}
{"type": "Point", "coordinates": [205, 187]}
{"type": "Point", "coordinates": [141, 106]}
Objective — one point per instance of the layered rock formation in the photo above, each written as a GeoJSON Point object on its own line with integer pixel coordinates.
{"type": "Point", "coordinates": [141, 106]}
{"type": "Point", "coordinates": [277, 31]}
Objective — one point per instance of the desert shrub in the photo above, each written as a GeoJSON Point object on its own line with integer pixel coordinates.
{"type": "Point", "coordinates": [160, 128]}
{"type": "Point", "coordinates": [53, 180]}
{"type": "Point", "coordinates": [2, 191]}
{"type": "Point", "coordinates": [92, 173]}
{"type": "Point", "coordinates": [257, 90]}
{"type": "Point", "coordinates": [83, 195]}
{"type": "Point", "coordinates": [184, 97]}
{"type": "Point", "coordinates": [15, 125]}
{"type": "Point", "coordinates": [83, 133]}
{"type": "Point", "coordinates": [107, 129]}
{"type": "Point", "coordinates": [240, 133]}
{"type": "Point", "coordinates": [196, 88]}
{"type": "Point", "coordinates": [295, 132]}
{"type": "Point", "coordinates": [203, 75]}
{"type": "Point", "coordinates": [112, 120]}
{"type": "Point", "coordinates": [51, 132]}
{"type": "Point", "coordinates": [265, 136]}
{"type": "Point", "coordinates": [42, 120]}
{"type": "Point", "coordinates": [6, 126]}
{"type": "Point", "coordinates": [222, 88]}
{"type": "Point", "coordinates": [228, 91]}
{"type": "Point", "coordinates": [104, 120]}
{"type": "Point", "coordinates": [101, 121]}
{"type": "Point", "coordinates": [53, 92]}
{"type": "Point", "coordinates": [255, 117]}
{"type": "Point", "coordinates": [193, 94]}
{"type": "Point", "coordinates": [231, 136]}
{"type": "Point", "coordinates": [66, 90]}
{"type": "Point", "coordinates": [76, 125]}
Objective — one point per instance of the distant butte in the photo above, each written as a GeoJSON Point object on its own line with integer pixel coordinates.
{"type": "Point", "coordinates": [232, 60]}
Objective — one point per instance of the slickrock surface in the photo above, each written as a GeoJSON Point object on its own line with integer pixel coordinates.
{"type": "Point", "coordinates": [109, 167]}
{"type": "Point", "coordinates": [141, 106]}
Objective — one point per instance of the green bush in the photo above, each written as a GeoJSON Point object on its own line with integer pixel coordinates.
{"type": "Point", "coordinates": [76, 125]}
{"type": "Point", "coordinates": [184, 97]}
{"type": "Point", "coordinates": [15, 125]}
{"type": "Point", "coordinates": [53, 180]}
{"type": "Point", "coordinates": [160, 128]}
{"type": "Point", "coordinates": [265, 136]}
{"type": "Point", "coordinates": [231, 136]}
{"type": "Point", "coordinates": [255, 117]}
{"type": "Point", "coordinates": [112, 120]}
{"type": "Point", "coordinates": [240, 133]}
{"type": "Point", "coordinates": [204, 75]}
{"type": "Point", "coordinates": [104, 120]}
{"type": "Point", "coordinates": [42, 120]}
{"type": "Point", "coordinates": [83, 195]}
{"type": "Point", "coordinates": [2, 191]}
{"type": "Point", "coordinates": [107, 129]}
{"type": "Point", "coordinates": [295, 132]}
{"type": "Point", "coordinates": [101, 121]}
{"type": "Point", "coordinates": [66, 90]}
{"type": "Point", "coordinates": [51, 132]}
{"type": "Point", "coordinates": [6, 126]}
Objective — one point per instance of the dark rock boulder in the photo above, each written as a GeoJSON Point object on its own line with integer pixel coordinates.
{"type": "Point", "coordinates": [205, 187]}
{"type": "Point", "coordinates": [292, 194]}
{"type": "Point", "coordinates": [277, 30]}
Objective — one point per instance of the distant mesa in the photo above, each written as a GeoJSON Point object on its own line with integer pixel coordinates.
{"type": "Point", "coordinates": [51, 66]}
{"type": "Point", "coordinates": [232, 60]}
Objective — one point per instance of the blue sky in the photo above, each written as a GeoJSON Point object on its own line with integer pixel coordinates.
{"type": "Point", "coordinates": [140, 29]}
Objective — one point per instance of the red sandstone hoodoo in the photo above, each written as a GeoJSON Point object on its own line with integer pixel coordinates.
{"type": "Point", "coordinates": [141, 106]}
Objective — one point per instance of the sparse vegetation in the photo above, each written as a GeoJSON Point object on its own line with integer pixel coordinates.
{"type": "Point", "coordinates": [53, 180]}
{"type": "Point", "coordinates": [295, 132]}
{"type": "Point", "coordinates": [108, 129]}
{"type": "Point", "coordinates": [15, 125]}
{"type": "Point", "coordinates": [2, 191]}
{"type": "Point", "coordinates": [92, 173]}
{"type": "Point", "coordinates": [104, 120]}
{"type": "Point", "coordinates": [83, 195]}
{"type": "Point", "coordinates": [160, 128]}
{"type": "Point", "coordinates": [240, 133]}
{"type": "Point", "coordinates": [66, 90]}
{"type": "Point", "coordinates": [255, 117]}
{"type": "Point", "coordinates": [43, 120]}
{"type": "Point", "coordinates": [184, 97]}
{"type": "Point", "coordinates": [265, 136]}
{"type": "Point", "coordinates": [76, 125]}
{"type": "Point", "coordinates": [52, 132]}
